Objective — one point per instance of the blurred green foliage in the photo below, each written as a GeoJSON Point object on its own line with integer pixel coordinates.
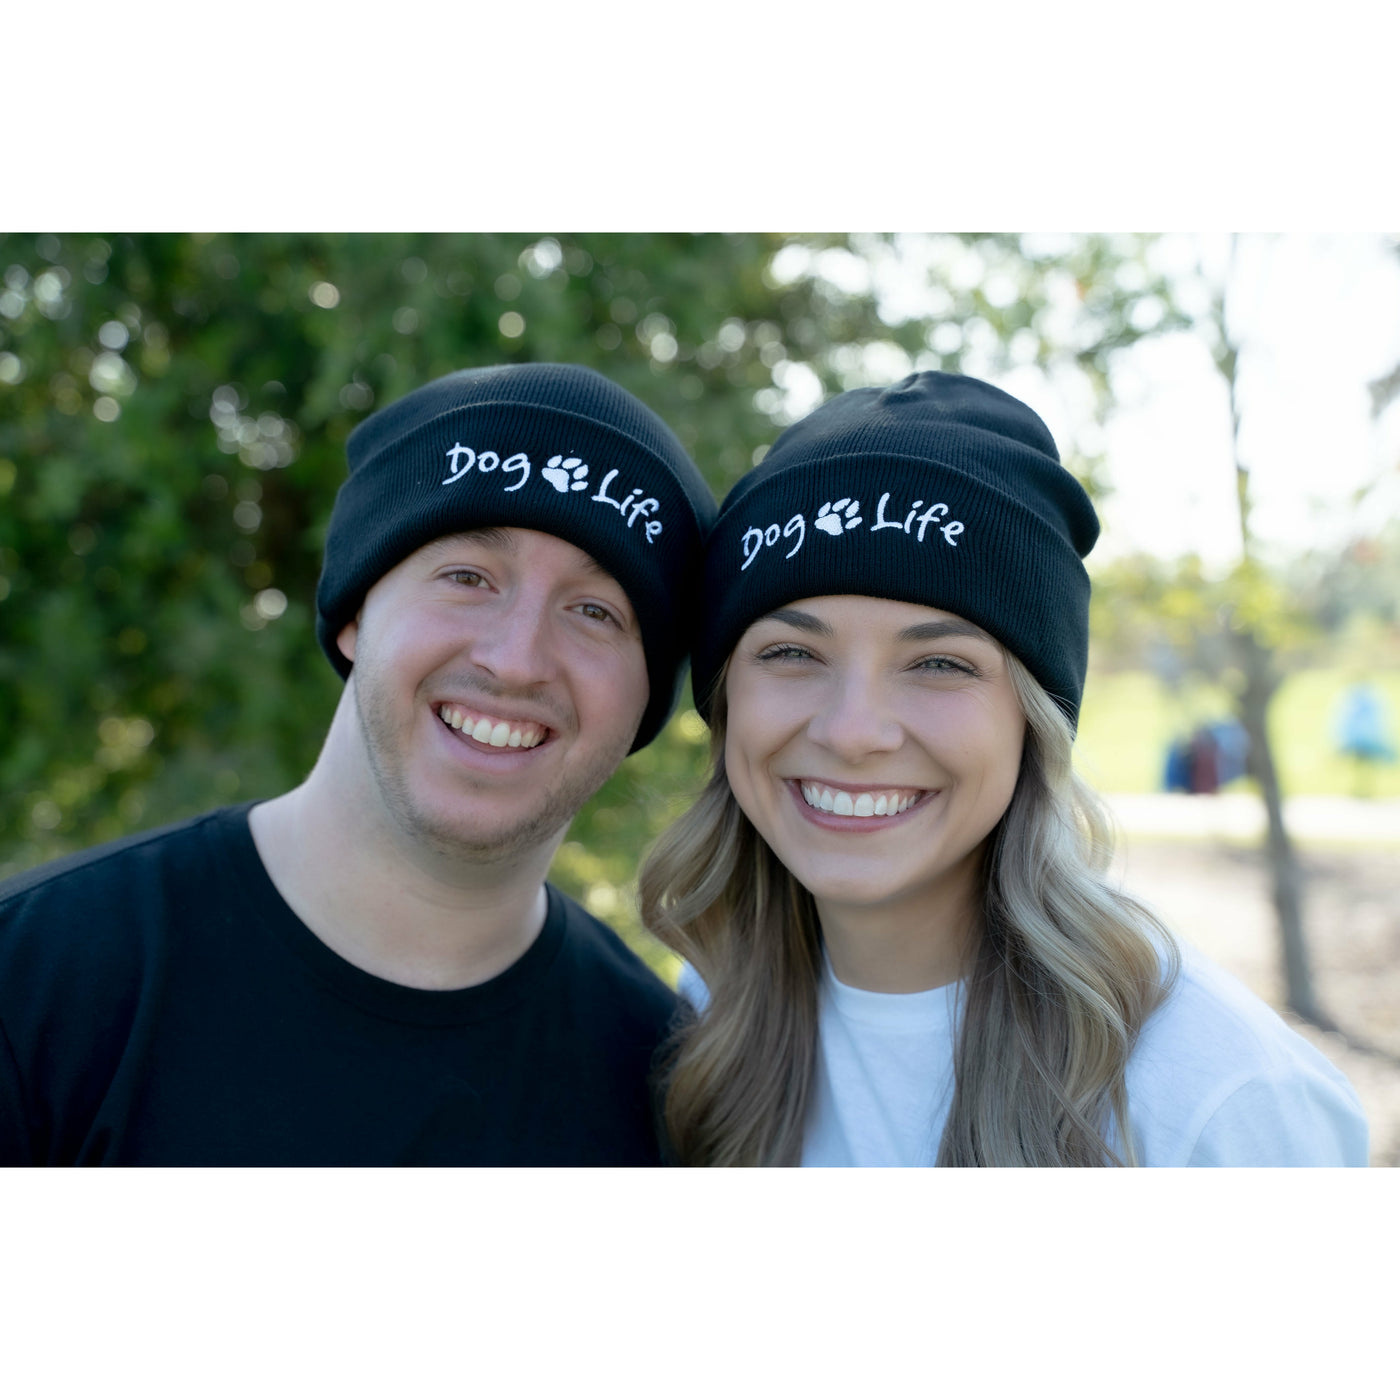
{"type": "Point", "coordinates": [173, 412]}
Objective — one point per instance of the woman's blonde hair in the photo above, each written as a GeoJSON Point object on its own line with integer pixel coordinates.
{"type": "Point", "coordinates": [1065, 973]}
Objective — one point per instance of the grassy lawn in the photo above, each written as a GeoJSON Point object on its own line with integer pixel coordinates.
{"type": "Point", "coordinates": [1129, 718]}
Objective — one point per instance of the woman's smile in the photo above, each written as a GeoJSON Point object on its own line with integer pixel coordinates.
{"type": "Point", "coordinates": [853, 801]}
{"type": "Point", "coordinates": [874, 745]}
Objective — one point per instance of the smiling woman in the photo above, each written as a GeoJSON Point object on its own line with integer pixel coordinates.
{"type": "Point", "coordinates": [874, 745]}
{"type": "Point", "coordinates": [891, 896]}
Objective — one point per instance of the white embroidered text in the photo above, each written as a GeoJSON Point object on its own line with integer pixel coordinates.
{"type": "Point", "coordinates": [755, 539]}
{"type": "Point", "coordinates": [644, 507]}
{"type": "Point", "coordinates": [564, 475]}
{"type": "Point", "coordinates": [462, 459]}
{"type": "Point", "coordinates": [934, 512]}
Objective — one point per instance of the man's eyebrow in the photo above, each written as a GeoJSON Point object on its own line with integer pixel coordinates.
{"type": "Point", "coordinates": [936, 631]}
{"type": "Point", "coordinates": [594, 567]}
{"type": "Point", "coordinates": [802, 621]}
{"type": "Point", "coordinates": [498, 537]}
{"type": "Point", "coordinates": [493, 536]}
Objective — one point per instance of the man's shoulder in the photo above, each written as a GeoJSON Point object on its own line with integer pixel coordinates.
{"type": "Point", "coordinates": [95, 886]}
{"type": "Point", "coordinates": [598, 953]}
{"type": "Point", "coordinates": [110, 863]}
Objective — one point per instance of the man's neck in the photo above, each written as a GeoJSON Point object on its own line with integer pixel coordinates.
{"type": "Point", "coordinates": [394, 907]}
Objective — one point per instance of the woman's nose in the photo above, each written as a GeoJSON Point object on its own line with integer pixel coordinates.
{"type": "Point", "coordinates": [855, 718]}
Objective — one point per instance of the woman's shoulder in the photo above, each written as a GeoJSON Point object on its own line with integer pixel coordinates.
{"type": "Point", "coordinates": [1218, 1079]}
{"type": "Point", "coordinates": [691, 988]}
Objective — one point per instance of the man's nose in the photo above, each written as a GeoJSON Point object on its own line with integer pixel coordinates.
{"type": "Point", "coordinates": [517, 644]}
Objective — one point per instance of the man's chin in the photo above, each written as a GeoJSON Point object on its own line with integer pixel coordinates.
{"type": "Point", "coordinates": [489, 827]}
{"type": "Point", "coordinates": [489, 842]}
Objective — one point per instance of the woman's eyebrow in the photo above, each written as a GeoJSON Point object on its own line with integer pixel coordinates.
{"type": "Point", "coordinates": [936, 631]}
{"type": "Point", "coordinates": [803, 622]}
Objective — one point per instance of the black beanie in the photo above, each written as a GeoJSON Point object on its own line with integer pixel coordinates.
{"type": "Point", "coordinates": [941, 490]}
{"type": "Point", "coordinates": [554, 448]}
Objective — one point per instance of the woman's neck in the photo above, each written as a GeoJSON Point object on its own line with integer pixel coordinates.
{"type": "Point", "coordinates": [908, 946]}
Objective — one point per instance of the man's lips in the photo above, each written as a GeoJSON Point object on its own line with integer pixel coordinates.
{"type": "Point", "coordinates": [492, 730]}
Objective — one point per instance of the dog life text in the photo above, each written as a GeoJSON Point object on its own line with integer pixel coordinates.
{"type": "Point", "coordinates": [487, 462]}
{"type": "Point", "coordinates": [757, 538]}
{"type": "Point", "coordinates": [952, 528]}
{"type": "Point", "coordinates": [643, 507]}
{"type": "Point", "coordinates": [562, 476]}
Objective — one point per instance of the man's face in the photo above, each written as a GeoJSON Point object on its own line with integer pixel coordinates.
{"type": "Point", "coordinates": [499, 679]}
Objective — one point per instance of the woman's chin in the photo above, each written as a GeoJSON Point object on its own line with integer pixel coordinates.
{"type": "Point", "coordinates": [944, 886]}
{"type": "Point", "coordinates": [854, 892]}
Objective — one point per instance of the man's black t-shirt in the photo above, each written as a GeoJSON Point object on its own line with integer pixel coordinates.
{"type": "Point", "coordinates": [161, 1005]}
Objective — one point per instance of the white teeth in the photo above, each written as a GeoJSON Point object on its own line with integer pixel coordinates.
{"type": "Point", "coordinates": [843, 804]}
{"type": "Point", "coordinates": [497, 733]}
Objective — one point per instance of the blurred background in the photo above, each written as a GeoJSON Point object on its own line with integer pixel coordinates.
{"type": "Point", "coordinates": [173, 413]}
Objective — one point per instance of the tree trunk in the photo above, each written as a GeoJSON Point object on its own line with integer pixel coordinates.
{"type": "Point", "coordinates": [1260, 682]}
{"type": "Point", "coordinates": [1259, 687]}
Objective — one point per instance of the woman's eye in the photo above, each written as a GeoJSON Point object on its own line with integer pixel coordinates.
{"type": "Point", "coordinates": [469, 577]}
{"type": "Point", "coordinates": [784, 651]}
{"type": "Point", "coordinates": [944, 666]}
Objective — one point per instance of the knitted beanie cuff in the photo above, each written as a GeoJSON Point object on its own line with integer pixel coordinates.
{"type": "Point", "coordinates": [478, 450]}
{"type": "Point", "coordinates": [908, 529]}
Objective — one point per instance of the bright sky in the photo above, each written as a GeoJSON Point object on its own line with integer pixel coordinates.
{"type": "Point", "coordinates": [1317, 317]}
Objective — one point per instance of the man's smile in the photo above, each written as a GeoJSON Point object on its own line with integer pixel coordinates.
{"type": "Point", "coordinates": [488, 729]}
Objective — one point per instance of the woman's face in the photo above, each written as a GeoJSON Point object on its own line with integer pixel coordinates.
{"type": "Point", "coordinates": [874, 745]}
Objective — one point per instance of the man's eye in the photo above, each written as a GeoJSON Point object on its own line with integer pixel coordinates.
{"type": "Point", "coordinates": [597, 611]}
{"type": "Point", "coordinates": [469, 577]}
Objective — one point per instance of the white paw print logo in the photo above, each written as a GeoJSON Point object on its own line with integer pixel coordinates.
{"type": "Point", "coordinates": [566, 473]}
{"type": "Point", "coordinates": [829, 517]}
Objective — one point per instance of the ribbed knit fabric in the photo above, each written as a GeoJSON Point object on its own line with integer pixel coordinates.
{"type": "Point", "coordinates": [941, 490]}
{"type": "Point", "coordinates": [555, 448]}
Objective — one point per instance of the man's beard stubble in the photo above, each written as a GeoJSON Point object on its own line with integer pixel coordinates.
{"type": "Point", "coordinates": [544, 827]}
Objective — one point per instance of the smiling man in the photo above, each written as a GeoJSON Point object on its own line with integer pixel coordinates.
{"type": "Point", "coordinates": [371, 968]}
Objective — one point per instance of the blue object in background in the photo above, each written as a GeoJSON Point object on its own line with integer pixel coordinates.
{"type": "Point", "coordinates": [1177, 775]}
{"type": "Point", "coordinates": [1363, 725]}
{"type": "Point", "coordinates": [1214, 755]}
{"type": "Point", "coordinates": [1232, 749]}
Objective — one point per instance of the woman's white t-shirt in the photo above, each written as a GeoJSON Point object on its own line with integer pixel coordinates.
{"type": "Point", "coordinates": [1215, 1080]}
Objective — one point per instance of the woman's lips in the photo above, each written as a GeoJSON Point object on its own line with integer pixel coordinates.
{"type": "Point", "coordinates": [866, 802]}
